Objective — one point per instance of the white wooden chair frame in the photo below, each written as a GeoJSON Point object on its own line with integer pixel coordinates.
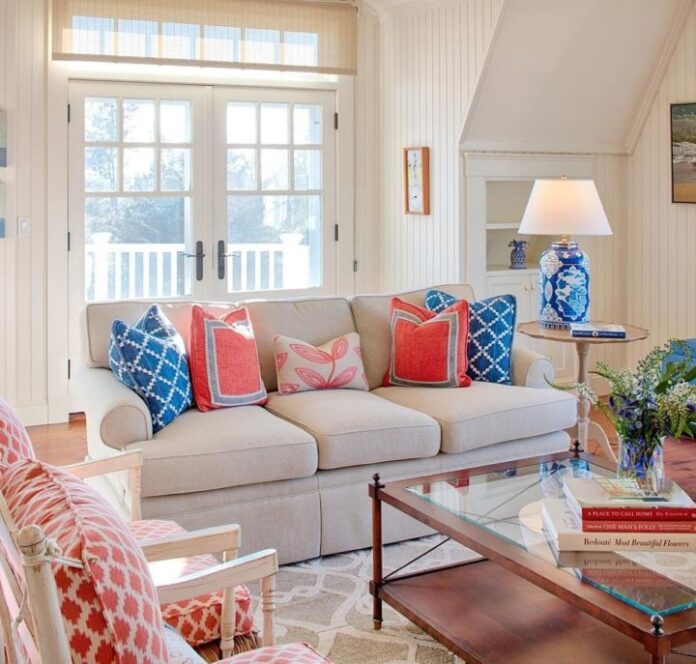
{"type": "Point", "coordinates": [32, 614]}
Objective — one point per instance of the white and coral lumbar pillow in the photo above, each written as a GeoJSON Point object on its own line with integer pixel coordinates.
{"type": "Point", "coordinates": [337, 364]}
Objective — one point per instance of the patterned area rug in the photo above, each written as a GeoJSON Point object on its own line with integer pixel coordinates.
{"type": "Point", "coordinates": [326, 602]}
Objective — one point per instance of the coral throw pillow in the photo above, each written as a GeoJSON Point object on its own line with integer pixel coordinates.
{"type": "Point", "coordinates": [110, 608]}
{"type": "Point", "coordinates": [14, 439]}
{"type": "Point", "coordinates": [428, 348]}
{"type": "Point", "coordinates": [336, 364]}
{"type": "Point", "coordinates": [224, 361]}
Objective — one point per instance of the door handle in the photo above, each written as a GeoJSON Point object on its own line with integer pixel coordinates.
{"type": "Point", "coordinates": [199, 256]}
{"type": "Point", "coordinates": [221, 255]}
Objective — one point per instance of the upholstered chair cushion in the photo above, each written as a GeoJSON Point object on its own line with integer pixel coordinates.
{"type": "Point", "coordinates": [295, 653]}
{"type": "Point", "coordinates": [196, 619]}
{"type": "Point", "coordinates": [14, 440]}
{"type": "Point", "coordinates": [109, 606]}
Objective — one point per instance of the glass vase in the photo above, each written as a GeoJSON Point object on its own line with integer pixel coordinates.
{"type": "Point", "coordinates": [642, 461]}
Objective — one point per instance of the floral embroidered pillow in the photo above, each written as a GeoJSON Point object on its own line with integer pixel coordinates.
{"type": "Point", "coordinates": [337, 364]}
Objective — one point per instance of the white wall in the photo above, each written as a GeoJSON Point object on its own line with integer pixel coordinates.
{"type": "Point", "coordinates": [661, 237]}
{"type": "Point", "coordinates": [23, 282]}
{"type": "Point", "coordinates": [430, 60]}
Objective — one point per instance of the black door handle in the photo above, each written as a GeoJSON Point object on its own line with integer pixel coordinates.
{"type": "Point", "coordinates": [221, 255]}
{"type": "Point", "coordinates": [199, 256]}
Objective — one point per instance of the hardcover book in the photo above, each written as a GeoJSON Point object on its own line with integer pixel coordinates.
{"type": "Point", "coordinates": [598, 330]}
{"type": "Point", "coordinates": [564, 532]}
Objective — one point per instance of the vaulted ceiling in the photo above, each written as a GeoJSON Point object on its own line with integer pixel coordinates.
{"type": "Point", "coordinates": [571, 75]}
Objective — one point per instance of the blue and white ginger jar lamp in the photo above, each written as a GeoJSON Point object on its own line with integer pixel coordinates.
{"type": "Point", "coordinates": [567, 208]}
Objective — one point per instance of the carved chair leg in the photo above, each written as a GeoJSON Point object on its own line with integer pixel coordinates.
{"type": "Point", "coordinates": [228, 618]}
{"type": "Point", "coordinates": [267, 607]}
{"type": "Point", "coordinates": [134, 477]}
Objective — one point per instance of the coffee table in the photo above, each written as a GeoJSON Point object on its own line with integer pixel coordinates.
{"type": "Point", "coordinates": [517, 604]}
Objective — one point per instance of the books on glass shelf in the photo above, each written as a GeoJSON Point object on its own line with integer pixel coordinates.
{"type": "Point", "coordinates": [611, 514]}
{"type": "Point", "coordinates": [598, 330]}
{"type": "Point", "coordinates": [565, 533]}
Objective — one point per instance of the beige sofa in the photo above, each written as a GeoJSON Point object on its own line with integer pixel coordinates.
{"type": "Point", "coordinates": [294, 473]}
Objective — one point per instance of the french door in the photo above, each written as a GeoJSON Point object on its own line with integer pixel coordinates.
{"type": "Point", "coordinates": [184, 191]}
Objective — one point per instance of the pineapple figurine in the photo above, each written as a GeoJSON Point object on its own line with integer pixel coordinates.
{"type": "Point", "coordinates": [518, 255]}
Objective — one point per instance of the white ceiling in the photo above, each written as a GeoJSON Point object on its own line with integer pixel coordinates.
{"type": "Point", "coordinates": [569, 75]}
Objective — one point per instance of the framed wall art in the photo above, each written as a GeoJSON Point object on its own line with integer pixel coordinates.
{"type": "Point", "coordinates": [683, 128]}
{"type": "Point", "coordinates": [3, 139]}
{"type": "Point", "coordinates": [417, 181]}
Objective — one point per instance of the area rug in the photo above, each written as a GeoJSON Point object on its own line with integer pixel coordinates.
{"type": "Point", "coordinates": [326, 602]}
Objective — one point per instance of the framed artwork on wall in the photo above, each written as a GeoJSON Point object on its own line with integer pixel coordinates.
{"type": "Point", "coordinates": [417, 181]}
{"type": "Point", "coordinates": [683, 128]}
{"type": "Point", "coordinates": [3, 139]}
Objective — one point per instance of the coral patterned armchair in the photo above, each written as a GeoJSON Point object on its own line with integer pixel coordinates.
{"type": "Point", "coordinates": [78, 584]}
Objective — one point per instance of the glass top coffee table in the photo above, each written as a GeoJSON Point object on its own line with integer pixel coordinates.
{"type": "Point", "coordinates": [521, 602]}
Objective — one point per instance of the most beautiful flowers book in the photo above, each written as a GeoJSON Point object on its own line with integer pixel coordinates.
{"type": "Point", "coordinates": [564, 532]}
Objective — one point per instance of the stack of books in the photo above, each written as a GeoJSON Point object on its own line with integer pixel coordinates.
{"type": "Point", "coordinates": [607, 514]}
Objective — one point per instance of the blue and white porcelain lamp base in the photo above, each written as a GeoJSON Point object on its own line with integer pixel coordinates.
{"type": "Point", "coordinates": [564, 286]}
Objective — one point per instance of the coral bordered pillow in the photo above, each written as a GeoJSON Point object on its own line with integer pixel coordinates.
{"type": "Point", "coordinates": [336, 364]}
{"type": "Point", "coordinates": [491, 332]}
{"type": "Point", "coordinates": [110, 608]}
{"type": "Point", "coordinates": [224, 361]}
{"type": "Point", "coordinates": [428, 348]}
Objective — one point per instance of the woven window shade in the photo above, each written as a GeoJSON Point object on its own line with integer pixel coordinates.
{"type": "Point", "coordinates": [265, 34]}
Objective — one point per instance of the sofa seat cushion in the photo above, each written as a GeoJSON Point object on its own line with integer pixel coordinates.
{"type": "Point", "coordinates": [487, 413]}
{"type": "Point", "coordinates": [354, 428]}
{"type": "Point", "coordinates": [224, 448]}
{"type": "Point", "coordinates": [197, 619]}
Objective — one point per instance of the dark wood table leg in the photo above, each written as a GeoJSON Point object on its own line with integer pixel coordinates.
{"type": "Point", "coordinates": [376, 552]}
{"type": "Point", "coordinates": [657, 623]}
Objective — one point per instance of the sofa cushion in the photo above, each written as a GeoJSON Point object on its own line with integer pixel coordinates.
{"type": "Point", "coordinates": [224, 448]}
{"type": "Point", "coordinates": [302, 367]}
{"type": "Point", "coordinates": [355, 428]}
{"type": "Point", "coordinates": [487, 413]}
{"type": "Point", "coordinates": [224, 361]}
{"type": "Point", "coordinates": [373, 321]}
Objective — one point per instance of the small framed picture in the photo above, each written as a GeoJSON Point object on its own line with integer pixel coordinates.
{"type": "Point", "coordinates": [683, 127]}
{"type": "Point", "coordinates": [417, 181]}
{"type": "Point", "coordinates": [3, 139]}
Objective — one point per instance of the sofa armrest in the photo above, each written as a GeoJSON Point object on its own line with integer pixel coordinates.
{"type": "Point", "coordinates": [116, 413]}
{"type": "Point", "coordinates": [530, 369]}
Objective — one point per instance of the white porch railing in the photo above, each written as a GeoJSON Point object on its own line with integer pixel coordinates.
{"type": "Point", "coordinates": [115, 271]}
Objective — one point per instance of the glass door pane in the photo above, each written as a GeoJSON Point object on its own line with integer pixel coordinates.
{"type": "Point", "coordinates": [135, 202]}
{"type": "Point", "coordinates": [275, 201]}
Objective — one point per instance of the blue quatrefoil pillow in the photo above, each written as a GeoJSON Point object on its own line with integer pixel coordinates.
{"type": "Point", "coordinates": [149, 358]}
{"type": "Point", "coordinates": [491, 330]}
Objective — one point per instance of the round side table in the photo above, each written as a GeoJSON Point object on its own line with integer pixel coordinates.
{"type": "Point", "coordinates": [582, 347]}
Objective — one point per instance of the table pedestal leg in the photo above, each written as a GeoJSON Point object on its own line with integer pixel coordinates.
{"type": "Point", "coordinates": [583, 350]}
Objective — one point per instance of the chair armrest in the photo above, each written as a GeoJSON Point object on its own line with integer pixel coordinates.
{"type": "Point", "coordinates": [206, 540]}
{"type": "Point", "coordinates": [116, 414]}
{"type": "Point", "coordinates": [529, 369]}
{"type": "Point", "coordinates": [232, 573]}
{"type": "Point", "coordinates": [93, 467]}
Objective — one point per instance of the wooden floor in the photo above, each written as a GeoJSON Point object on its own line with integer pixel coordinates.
{"type": "Point", "coordinates": [61, 444]}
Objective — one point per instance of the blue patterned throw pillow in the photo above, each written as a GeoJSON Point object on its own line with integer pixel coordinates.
{"type": "Point", "coordinates": [491, 330]}
{"type": "Point", "coordinates": [154, 322]}
{"type": "Point", "coordinates": [157, 370]}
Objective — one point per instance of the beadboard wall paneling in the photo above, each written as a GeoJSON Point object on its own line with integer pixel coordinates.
{"type": "Point", "coordinates": [430, 60]}
{"type": "Point", "coordinates": [661, 235]}
{"type": "Point", "coordinates": [23, 356]}
{"type": "Point", "coordinates": [367, 156]}
{"type": "Point", "coordinates": [608, 260]}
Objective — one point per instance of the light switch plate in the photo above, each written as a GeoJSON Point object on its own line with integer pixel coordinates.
{"type": "Point", "coordinates": [24, 226]}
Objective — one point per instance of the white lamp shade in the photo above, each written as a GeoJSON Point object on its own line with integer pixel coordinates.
{"type": "Point", "coordinates": [564, 207]}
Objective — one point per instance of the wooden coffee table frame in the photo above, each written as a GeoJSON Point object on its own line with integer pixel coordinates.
{"type": "Point", "coordinates": [461, 620]}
